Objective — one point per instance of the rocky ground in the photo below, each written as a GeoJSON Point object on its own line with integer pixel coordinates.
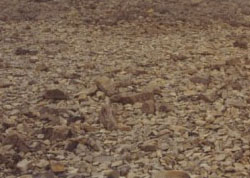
{"type": "Point", "coordinates": [92, 89]}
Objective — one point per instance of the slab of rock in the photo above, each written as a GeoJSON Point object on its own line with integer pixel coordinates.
{"type": "Point", "coordinates": [148, 107]}
{"type": "Point", "coordinates": [26, 176]}
{"type": "Point", "coordinates": [148, 146]}
{"type": "Point", "coordinates": [42, 163]}
{"type": "Point", "coordinates": [5, 84]}
{"type": "Point", "coordinates": [55, 94]}
{"type": "Point", "coordinates": [165, 107]}
{"type": "Point", "coordinates": [42, 67]}
{"type": "Point", "coordinates": [200, 80]}
{"type": "Point", "coordinates": [22, 51]}
{"type": "Point", "coordinates": [23, 165]}
{"type": "Point", "coordinates": [107, 118]}
{"type": "Point", "coordinates": [112, 174]}
{"type": "Point", "coordinates": [106, 85]}
{"type": "Point", "coordinates": [57, 167]}
{"type": "Point", "coordinates": [44, 175]}
{"type": "Point", "coordinates": [155, 86]}
{"type": "Point", "coordinates": [82, 95]}
{"type": "Point", "coordinates": [17, 141]}
{"type": "Point", "coordinates": [56, 133]}
{"type": "Point", "coordinates": [132, 98]}
{"type": "Point", "coordinates": [171, 174]}
{"type": "Point", "coordinates": [241, 43]}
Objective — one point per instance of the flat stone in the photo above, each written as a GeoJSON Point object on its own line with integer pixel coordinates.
{"type": "Point", "coordinates": [171, 174]}
{"type": "Point", "coordinates": [132, 98]}
{"type": "Point", "coordinates": [106, 85]}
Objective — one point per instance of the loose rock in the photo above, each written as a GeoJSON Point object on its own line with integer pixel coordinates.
{"type": "Point", "coordinates": [106, 85]}
{"type": "Point", "coordinates": [171, 174]}
{"type": "Point", "coordinates": [55, 94]}
{"type": "Point", "coordinates": [148, 107]}
{"type": "Point", "coordinates": [107, 118]}
{"type": "Point", "coordinates": [132, 98]}
{"type": "Point", "coordinates": [57, 167]}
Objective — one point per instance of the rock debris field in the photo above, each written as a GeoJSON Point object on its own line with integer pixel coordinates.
{"type": "Point", "coordinates": [137, 89]}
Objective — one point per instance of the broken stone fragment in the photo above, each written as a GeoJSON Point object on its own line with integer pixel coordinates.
{"type": "Point", "coordinates": [107, 118]}
{"type": "Point", "coordinates": [17, 141]}
{"type": "Point", "coordinates": [148, 146]}
{"type": "Point", "coordinates": [112, 174]}
{"type": "Point", "coordinates": [241, 43]}
{"type": "Point", "coordinates": [106, 85]}
{"type": "Point", "coordinates": [55, 94]}
{"type": "Point", "coordinates": [124, 170]}
{"type": "Point", "coordinates": [42, 67]}
{"type": "Point", "coordinates": [56, 133]}
{"type": "Point", "coordinates": [132, 98]}
{"type": "Point", "coordinates": [200, 80]}
{"type": "Point", "coordinates": [22, 51]}
{"type": "Point", "coordinates": [164, 107]}
{"type": "Point", "coordinates": [85, 92]}
{"type": "Point", "coordinates": [44, 175]}
{"type": "Point", "coordinates": [155, 86]}
{"type": "Point", "coordinates": [24, 165]}
{"type": "Point", "coordinates": [148, 107]}
{"type": "Point", "coordinates": [57, 167]}
{"type": "Point", "coordinates": [42, 163]}
{"type": "Point", "coordinates": [171, 174]}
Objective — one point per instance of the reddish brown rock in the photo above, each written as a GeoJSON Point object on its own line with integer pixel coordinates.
{"type": "Point", "coordinates": [131, 98]}
{"type": "Point", "coordinates": [164, 107]}
{"type": "Point", "coordinates": [148, 107]}
{"type": "Point", "coordinates": [55, 94]}
{"type": "Point", "coordinates": [57, 132]}
{"type": "Point", "coordinates": [241, 43]}
{"type": "Point", "coordinates": [106, 85]}
{"type": "Point", "coordinates": [200, 80]}
{"type": "Point", "coordinates": [17, 140]}
{"type": "Point", "coordinates": [107, 118]}
{"type": "Point", "coordinates": [148, 146]}
{"type": "Point", "coordinates": [171, 174]}
{"type": "Point", "coordinates": [57, 167]}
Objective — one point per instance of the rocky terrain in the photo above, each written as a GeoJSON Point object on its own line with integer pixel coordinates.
{"type": "Point", "coordinates": [137, 89]}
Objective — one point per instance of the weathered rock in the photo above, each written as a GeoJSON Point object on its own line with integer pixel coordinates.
{"type": "Point", "coordinates": [5, 84]}
{"type": "Point", "coordinates": [57, 167]}
{"type": "Point", "coordinates": [148, 146]}
{"type": "Point", "coordinates": [171, 174]}
{"type": "Point", "coordinates": [56, 133]}
{"type": "Point", "coordinates": [72, 145]}
{"type": "Point", "coordinates": [164, 107]}
{"type": "Point", "coordinates": [22, 51]}
{"type": "Point", "coordinates": [26, 176]}
{"type": "Point", "coordinates": [131, 98]}
{"type": "Point", "coordinates": [17, 140]}
{"type": "Point", "coordinates": [124, 170]}
{"type": "Point", "coordinates": [44, 175]}
{"type": "Point", "coordinates": [155, 86]}
{"type": "Point", "coordinates": [106, 85]}
{"type": "Point", "coordinates": [200, 80]}
{"type": "Point", "coordinates": [112, 174]}
{"type": "Point", "coordinates": [107, 118]}
{"type": "Point", "coordinates": [248, 100]}
{"type": "Point", "coordinates": [23, 165]}
{"type": "Point", "coordinates": [42, 67]}
{"type": "Point", "coordinates": [238, 103]}
{"type": "Point", "coordinates": [55, 94]}
{"type": "Point", "coordinates": [148, 107]}
{"type": "Point", "coordinates": [42, 163]}
{"type": "Point", "coordinates": [241, 43]}
{"type": "Point", "coordinates": [85, 92]}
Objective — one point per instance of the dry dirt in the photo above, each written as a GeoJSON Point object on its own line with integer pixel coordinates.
{"type": "Point", "coordinates": [92, 89]}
